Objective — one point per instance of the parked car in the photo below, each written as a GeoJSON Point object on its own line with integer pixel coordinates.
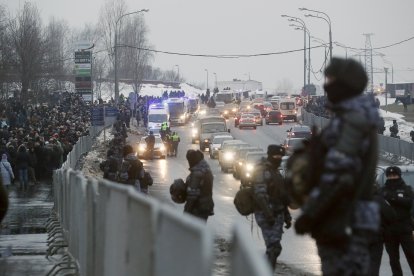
{"type": "Point", "coordinates": [299, 131]}
{"type": "Point", "coordinates": [241, 159]}
{"type": "Point", "coordinates": [291, 144]}
{"type": "Point", "coordinates": [274, 117]}
{"type": "Point", "coordinates": [215, 145]}
{"type": "Point", "coordinates": [247, 120]}
{"type": "Point", "coordinates": [159, 148]}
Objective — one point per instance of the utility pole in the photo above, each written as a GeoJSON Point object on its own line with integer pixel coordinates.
{"type": "Point", "coordinates": [368, 62]}
{"type": "Point", "coordinates": [386, 90]}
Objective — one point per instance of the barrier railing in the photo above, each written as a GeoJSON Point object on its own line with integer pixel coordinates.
{"type": "Point", "coordinates": [112, 229]}
{"type": "Point", "coordinates": [390, 145]}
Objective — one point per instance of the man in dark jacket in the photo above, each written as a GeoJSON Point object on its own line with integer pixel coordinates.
{"type": "Point", "coordinates": [150, 140]}
{"type": "Point", "coordinates": [271, 201]}
{"type": "Point", "coordinates": [398, 231]}
{"type": "Point", "coordinates": [199, 186]}
{"type": "Point", "coordinates": [339, 212]}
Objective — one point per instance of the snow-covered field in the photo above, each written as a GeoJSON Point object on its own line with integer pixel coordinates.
{"type": "Point", "coordinates": [403, 126]}
{"type": "Point", "coordinates": [107, 90]}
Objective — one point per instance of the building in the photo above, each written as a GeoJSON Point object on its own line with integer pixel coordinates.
{"type": "Point", "coordinates": [239, 85]}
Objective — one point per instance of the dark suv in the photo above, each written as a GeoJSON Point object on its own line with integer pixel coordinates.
{"type": "Point", "coordinates": [274, 117]}
{"type": "Point", "coordinates": [299, 132]}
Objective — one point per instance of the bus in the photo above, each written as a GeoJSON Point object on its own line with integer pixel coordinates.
{"type": "Point", "coordinates": [177, 109]}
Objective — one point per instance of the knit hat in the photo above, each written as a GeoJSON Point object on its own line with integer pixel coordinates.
{"type": "Point", "coordinates": [193, 157]}
{"type": "Point", "coordinates": [393, 170]}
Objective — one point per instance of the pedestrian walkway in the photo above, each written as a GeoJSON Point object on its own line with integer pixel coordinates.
{"type": "Point", "coordinates": [22, 234]}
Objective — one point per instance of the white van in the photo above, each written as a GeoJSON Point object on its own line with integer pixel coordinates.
{"type": "Point", "coordinates": [288, 109]}
{"type": "Point", "coordinates": [157, 114]}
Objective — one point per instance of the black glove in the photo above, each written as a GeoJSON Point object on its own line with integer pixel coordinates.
{"type": "Point", "coordinates": [288, 224]}
{"type": "Point", "coordinates": [303, 225]}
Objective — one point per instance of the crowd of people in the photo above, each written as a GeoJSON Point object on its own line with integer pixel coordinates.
{"type": "Point", "coordinates": [47, 132]}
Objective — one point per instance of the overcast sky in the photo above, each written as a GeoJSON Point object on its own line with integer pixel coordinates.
{"type": "Point", "coordinates": [249, 27]}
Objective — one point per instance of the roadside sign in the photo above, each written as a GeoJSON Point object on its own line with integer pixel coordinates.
{"type": "Point", "coordinates": [111, 111]}
{"type": "Point", "coordinates": [83, 74]}
{"type": "Point", "coordinates": [97, 116]}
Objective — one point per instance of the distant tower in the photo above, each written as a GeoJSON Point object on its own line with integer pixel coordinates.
{"type": "Point", "coordinates": [368, 63]}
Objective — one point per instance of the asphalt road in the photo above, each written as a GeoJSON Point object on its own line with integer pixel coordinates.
{"type": "Point", "coordinates": [298, 251]}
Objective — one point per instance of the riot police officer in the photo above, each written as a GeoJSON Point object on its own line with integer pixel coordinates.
{"type": "Point", "coordinates": [398, 231]}
{"type": "Point", "coordinates": [271, 201]}
{"type": "Point", "coordinates": [394, 129]}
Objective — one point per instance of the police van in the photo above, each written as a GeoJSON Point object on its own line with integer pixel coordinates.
{"type": "Point", "coordinates": [157, 114]}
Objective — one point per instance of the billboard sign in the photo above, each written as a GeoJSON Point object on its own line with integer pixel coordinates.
{"type": "Point", "coordinates": [83, 74]}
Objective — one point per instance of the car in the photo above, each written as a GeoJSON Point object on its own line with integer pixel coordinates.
{"type": "Point", "coordinates": [215, 144]}
{"type": "Point", "coordinates": [291, 144]}
{"type": "Point", "coordinates": [299, 131]}
{"type": "Point", "coordinates": [159, 148]}
{"type": "Point", "coordinates": [241, 159]}
{"type": "Point", "coordinates": [258, 117]}
{"type": "Point", "coordinates": [407, 174]}
{"type": "Point", "coordinates": [247, 120]}
{"type": "Point", "coordinates": [274, 117]}
{"type": "Point", "coordinates": [220, 106]}
{"type": "Point", "coordinates": [230, 110]}
{"type": "Point", "coordinates": [247, 168]}
{"type": "Point", "coordinates": [228, 155]}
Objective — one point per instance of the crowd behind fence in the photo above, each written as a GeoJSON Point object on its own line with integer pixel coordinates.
{"type": "Point", "coordinates": [111, 229]}
{"type": "Point", "coordinates": [389, 145]}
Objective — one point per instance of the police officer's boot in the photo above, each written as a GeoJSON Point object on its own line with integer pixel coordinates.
{"type": "Point", "coordinates": [273, 254]}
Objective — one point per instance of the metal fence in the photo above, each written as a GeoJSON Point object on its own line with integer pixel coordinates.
{"type": "Point", "coordinates": [112, 229]}
{"type": "Point", "coordinates": [389, 145]}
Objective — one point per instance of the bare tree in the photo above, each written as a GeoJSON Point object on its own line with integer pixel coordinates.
{"type": "Point", "coordinates": [28, 43]}
{"type": "Point", "coordinates": [134, 58]}
{"type": "Point", "coordinates": [109, 14]}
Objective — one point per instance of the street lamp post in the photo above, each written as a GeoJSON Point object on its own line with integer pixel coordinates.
{"type": "Point", "coordinates": [300, 28]}
{"type": "Point", "coordinates": [207, 77]}
{"type": "Point", "coordinates": [296, 19]}
{"type": "Point", "coordinates": [215, 78]}
{"type": "Point", "coordinates": [317, 40]}
{"type": "Point", "coordinates": [116, 51]}
{"type": "Point", "coordinates": [327, 20]}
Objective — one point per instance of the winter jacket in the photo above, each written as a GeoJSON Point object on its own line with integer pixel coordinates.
{"type": "Point", "coordinates": [399, 200]}
{"type": "Point", "coordinates": [200, 190]}
{"type": "Point", "coordinates": [22, 160]}
{"type": "Point", "coordinates": [6, 171]}
{"type": "Point", "coordinates": [342, 200]}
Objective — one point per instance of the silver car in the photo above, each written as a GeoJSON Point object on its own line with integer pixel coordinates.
{"type": "Point", "coordinates": [215, 145]}
{"type": "Point", "coordinates": [247, 120]}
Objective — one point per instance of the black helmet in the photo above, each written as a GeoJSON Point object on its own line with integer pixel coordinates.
{"type": "Point", "coordinates": [178, 191]}
{"type": "Point", "coordinates": [275, 150]}
{"type": "Point", "coordinates": [393, 170]}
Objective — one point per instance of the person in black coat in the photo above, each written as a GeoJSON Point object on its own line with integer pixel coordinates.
{"type": "Point", "coordinates": [22, 165]}
{"type": "Point", "coordinates": [199, 184]}
{"type": "Point", "coordinates": [398, 230]}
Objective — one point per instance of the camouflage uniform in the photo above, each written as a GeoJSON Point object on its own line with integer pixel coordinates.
{"type": "Point", "coordinates": [271, 211]}
{"type": "Point", "coordinates": [340, 212]}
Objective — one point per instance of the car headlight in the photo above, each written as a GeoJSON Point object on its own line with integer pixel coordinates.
{"type": "Point", "coordinates": [240, 163]}
{"type": "Point", "coordinates": [182, 117]}
{"type": "Point", "coordinates": [228, 156]}
{"type": "Point", "coordinates": [192, 124]}
{"type": "Point", "coordinates": [203, 112]}
{"type": "Point", "coordinates": [234, 110]}
{"type": "Point", "coordinates": [247, 175]}
{"type": "Point", "coordinates": [141, 148]}
{"type": "Point", "coordinates": [216, 148]}
{"type": "Point", "coordinates": [206, 141]}
{"type": "Point", "coordinates": [249, 167]}
{"type": "Point", "coordinates": [162, 148]}
{"type": "Point", "coordinates": [226, 112]}
{"type": "Point", "coordinates": [195, 131]}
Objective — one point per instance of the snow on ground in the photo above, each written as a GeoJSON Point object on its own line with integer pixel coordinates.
{"type": "Point", "coordinates": [107, 90]}
{"type": "Point", "coordinates": [403, 126]}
